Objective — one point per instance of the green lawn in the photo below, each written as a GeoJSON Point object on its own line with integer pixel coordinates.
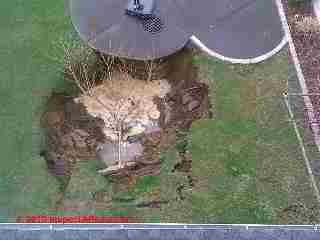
{"type": "Point", "coordinates": [246, 160]}
{"type": "Point", "coordinates": [28, 30]}
{"type": "Point", "coordinates": [248, 157]}
{"type": "Point", "coordinates": [247, 163]}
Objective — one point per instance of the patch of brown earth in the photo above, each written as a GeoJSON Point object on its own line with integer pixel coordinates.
{"type": "Point", "coordinates": [73, 134]}
{"type": "Point", "coordinates": [186, 102]}
{"type": "Point", "coordinates": [305, 31]}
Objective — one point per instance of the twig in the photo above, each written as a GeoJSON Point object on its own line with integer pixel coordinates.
{"type": "Point", "coordinates": [119, 147]}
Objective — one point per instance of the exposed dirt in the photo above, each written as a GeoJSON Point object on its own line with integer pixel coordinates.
{"type": "Point", "coordinates": [73, 134]}
{"type": "Point", "coordinates": [305, 31]}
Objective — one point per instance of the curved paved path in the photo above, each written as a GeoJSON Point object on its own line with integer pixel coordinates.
{"type": "Point", "coordinates": [251, 33]}
{"type": "Point", "coordinates": [235, 30]}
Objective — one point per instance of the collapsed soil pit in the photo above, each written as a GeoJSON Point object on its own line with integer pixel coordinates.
{"type": "Point", "coordinates": [124, 123]}
{"type": "Point", "coordinates": [71, 134]}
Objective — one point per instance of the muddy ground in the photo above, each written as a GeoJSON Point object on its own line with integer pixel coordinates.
{"type": "Point", "coordinates": [73, 135]}
{"type": "Point", "coordinates": [305, 32]}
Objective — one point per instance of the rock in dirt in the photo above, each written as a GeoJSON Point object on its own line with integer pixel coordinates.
{"type": "Point", "coordinates": [154, 138]}
{"type": "Point", "coordinates": [81, 133]}
{"type": "Point", "coordinates": [115, 168]}
{"type": "Point", "coordinates": [152, 130]}
{"type": "Point", "coordinates": [76, 138]}
{"type": "Point", "coordinates": [135, 130]}
{"type": "Point", "coordinates": [186, 98]}
{"type": "Point", "coordinates": [193, 105]}
{"type": "Point", "coordinates": [154, 115]}
{"type": "Point", "coordinates": [108, 153]}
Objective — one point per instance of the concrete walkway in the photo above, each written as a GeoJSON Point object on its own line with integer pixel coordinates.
{"type": "Point", "coordinates": [249, 32]}
{"type": "Point", "coordinates": [158, 231]}
{"type": "Point", "coordinates": [316, 7]}
{"type": "Point", "coordinates": [244, 31]}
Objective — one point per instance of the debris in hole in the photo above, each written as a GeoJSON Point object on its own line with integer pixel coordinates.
{"type": "Point", "coordinates": [114, 95]}
{"type": "Point", "coordinates": [193, 105]}
{"type": "Point", "coordinates": [107, 153]}
{"type": "Point", "coordinates": [88, 129]}
{"type": "Point", "coordinates": [186, 98]}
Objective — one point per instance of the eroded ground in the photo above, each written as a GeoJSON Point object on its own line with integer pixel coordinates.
{"type": "Point", "coordinates": [221, 190]}
{"type": "Point", "coordinates": [86, 128]}
{"type": "Point", "coordinates": [240, 163]}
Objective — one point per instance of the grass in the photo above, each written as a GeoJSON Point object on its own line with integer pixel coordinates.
{"type": "Point", "coordinates": [246, 161]}
{"type": "Point", "coordinates": [29, 28]}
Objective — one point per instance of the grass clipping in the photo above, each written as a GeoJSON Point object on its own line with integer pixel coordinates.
{"type": "Point", "coordinates": [127, 100]}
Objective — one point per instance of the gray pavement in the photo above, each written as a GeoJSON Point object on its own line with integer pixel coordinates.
{"type": "Point", "coordinates": [104, 24]}
{"type": "Point", "coordinates": [153, 232]}
{"type": "Point", "coordinates": [239, 29]}
{"type": "Point", "coordinates": [249, 30]}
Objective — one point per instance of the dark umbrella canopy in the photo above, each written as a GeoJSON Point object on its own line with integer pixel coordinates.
{"type": "Point", "coordinates": [204, 13]}
{"type": "Point", "coordinates": [232, 28]}
{"type": "Point", "coordinates": [106, 27]}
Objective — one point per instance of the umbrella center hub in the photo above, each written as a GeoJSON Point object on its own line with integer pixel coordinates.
{"type": "Point", "coordinates": [153, 25]}
{"type": "Point", "coordinates": [141, 8]}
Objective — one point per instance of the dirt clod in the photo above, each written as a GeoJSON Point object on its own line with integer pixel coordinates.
{"type": "Point", "coordinates": [193, 105]}
{"type": "Point", "coordinates": [186, 98]}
